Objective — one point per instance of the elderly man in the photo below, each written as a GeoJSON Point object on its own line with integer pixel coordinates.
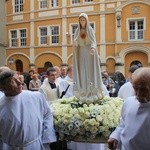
{"type": "Point", "coordinates": [26, 121]}
{"type": "Point", "coordinates": [133, 132]}
{"type": "Point", "coordinates": [2, 69]}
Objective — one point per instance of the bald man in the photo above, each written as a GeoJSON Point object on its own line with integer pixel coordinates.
{"type": "Point", "coordinates": [133, 131]}
{"type": "Point", "coordinates": [2, 69]}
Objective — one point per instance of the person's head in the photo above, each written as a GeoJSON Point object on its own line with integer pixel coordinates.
{"type": "Point", "coordinates": [4, 68]}
{"type": "Point", "coordinates": [119, 76]}
{"type": "Point", "coordinates": [83, 20]}
{"type": "Point", "coordinates": [57, 68]}
{"type": "Point", "coordinates": [10, 83]}
{"type": "Point", "coordinates": [21, 77]}
{"type": "Point", "coordinates": [63, 69]}
{"type": "Point", "coordinates": [141, 84]}
{"type": "Point", "coordinates": [51, 74]}
{"type": "Point", "coordinates": [31, 72]}
{"type": "Point", "coordinates": [35, 76]}
{"type": "Point", "coordinates": [131, 71]}
{"type": "Point", "coordinates": [70, 71]}
{"type": "Point", "coordinates": [105, 74]}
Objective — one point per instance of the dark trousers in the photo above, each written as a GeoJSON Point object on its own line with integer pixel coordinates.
{"type": "Point", "coordinates": [59, 145]}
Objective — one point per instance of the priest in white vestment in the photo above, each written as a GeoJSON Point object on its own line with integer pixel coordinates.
{"type": "Point", "coordinates": [133, 132]}
{"type": "Point", "coordinates": [49, 87]}
{"type": "Point", "coordinates": [26, 120]}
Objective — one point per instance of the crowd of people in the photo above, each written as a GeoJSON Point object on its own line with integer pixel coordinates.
{"type": "Point", "coordinates": [26, 115]}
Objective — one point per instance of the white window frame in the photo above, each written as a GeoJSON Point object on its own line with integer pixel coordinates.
{"type": "Point", "coordinates": [72, 31]}
{"type": "Point", "coordinates": [15, 38]}
{"type": "Point", "coordinates": [42, 4]}
{"type": "Point", "coordinates": [20, 6]}
{"type": "Point", "coordinates": [54, 3]}
{"type": "Point", "coordinates": [24, 38]}
{"type": "Point", "coordinates": [136, 30]}
{"type": "Point", "coordinates": [75, 2]}
{"type": "Point", "coordinates": [55, 35]}
{"type": "Point", "coordinates": [44, 36]}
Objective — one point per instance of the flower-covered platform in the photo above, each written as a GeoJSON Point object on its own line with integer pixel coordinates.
{"type": "Point", "coordinates": [83, 122]}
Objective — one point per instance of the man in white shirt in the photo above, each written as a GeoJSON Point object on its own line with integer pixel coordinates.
{"type": "Point", "coordinates": [66, 85]}
{"type": "Point", "coordinates": [127, 90]}
{"type": "Point", "coordinates": [133, 132]}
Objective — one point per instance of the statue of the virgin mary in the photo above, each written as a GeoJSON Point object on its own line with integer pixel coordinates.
{"type": "Point", "coordinates": [86, 65]}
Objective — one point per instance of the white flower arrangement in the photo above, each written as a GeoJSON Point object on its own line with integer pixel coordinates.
{"type": "Point", "coordinates": [73, 118]}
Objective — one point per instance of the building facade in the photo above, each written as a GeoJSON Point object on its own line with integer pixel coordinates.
{"type": "Point", "coordinates": [40, 32]}
{"type": "Point", "coordinates": [2, 34]}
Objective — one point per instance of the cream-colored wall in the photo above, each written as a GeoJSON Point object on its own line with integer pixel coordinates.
{"type": "Point", "coordinates": [2, 34]}
{"type": "Point", "coordinates": [112, 40]}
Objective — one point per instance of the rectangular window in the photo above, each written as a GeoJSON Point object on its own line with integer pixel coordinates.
{"type": "Point", "coordinates": [74, 27]}
{"type": "Point", "coordinates": [136, 30]}
{"type": "Point", "coordinates": [43, 35]}
{"type": "Point", "coordinates": [88, 0]}
{"type": "Point", "coordinates": [18, 5]}
{"type": "Point", "coordinates": [75, 1]}
{"type": "Point", "coordinates": [13, 38]}
{"type": "Point", "coordinates": [43, 4]}
{"type": "Point", "coordinates": [54, 3]}
{"type": "Point", "coordinates": [92, 25]}
{"type": "Point", "coordinates": [23, 37]}
{"type": "Point", "coordinates": [54, 35]}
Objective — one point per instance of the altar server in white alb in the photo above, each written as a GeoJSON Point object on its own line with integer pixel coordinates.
{"type": "Point", "coordinates": [127, 90]}
{"type": "Point", "coordinates": [66, 85]}
{"type": "Point", "coordinates": [26, 121]}
{"type": "Point", "coordinates": [133, 132]}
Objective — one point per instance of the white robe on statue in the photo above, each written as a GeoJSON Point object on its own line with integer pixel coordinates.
{"type": "Point", "coordinates": [133, 131]}
{"type": "Point", "coordinates": [26, 121]}
{"type": "Point", "coordinates": [88, 85]}
{"type": "Point", "coordinates": [86, 67]}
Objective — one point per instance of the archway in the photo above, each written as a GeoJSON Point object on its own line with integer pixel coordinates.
{"type": "Point", "coordinates": [134, 58]}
